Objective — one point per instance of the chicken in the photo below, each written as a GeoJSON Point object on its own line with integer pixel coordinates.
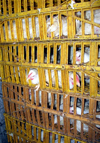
{"type": "Point", "coordinates": [78, 27]}
{"type": "Point", "coordinates": [71, 80]}
{"type": "Point", "coordinates": [78, 57]}
{"type": "Point", "coordinates": [55, 26]}
{"type": "Point", "coordinates": [78, 123]}
{"type": "Point", "coordinates": [33, 76]}
{"type": "Point", "coordinates": [86, 60]}
{"type": "Point", "coordinates": [87, 15]}
{"type": "Point", "coordinates": [78, 110]}
{"type": "Point", "coordinates": [72, 3]}
{"type": "Point", "coordinates": [88, 27]}
{"type": "Point", "coordinates": [97, 20]}
{"type": "Point", "coordinates": [30, 27]}
{"type": "Point", "coordinates": [23, 27]}
{"type": "Point", "coordinates": [61, 120]}
{"type": "Point", "coordinates": [53, 77]}
{"type": "Point", "coordinates": [78, 127]}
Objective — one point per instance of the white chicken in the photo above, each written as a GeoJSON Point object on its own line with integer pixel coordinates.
{"type": "Point", "coordinates": [88, 27]}
{"type": "Point", "coordinates": [97, 20]}
{"type": "Point", "coordinates": [61, 120]}
{"type": "Point", "coordinates": [78, 27]}
{"type": "Point", "coordinates": [71, 80]}
{"type": "Point", "coordinates": [53, 77]}
{"type": "Point", "coordinates": [78, 57]}
{"type": "Point", "coordinates": [78, 123]}
{"type": "Point", "coordinates": [78, 110]}
{"type": "Point", "coordinates": [23, 27]}
{"type": "Point", "coordinates": [33, 76]}
{"type": "Point", "coordinates": [78, 127]}
{"type": "Point", "coordinates": [72, 3]}
{"type": "Point", "coordinates": [55, 26]}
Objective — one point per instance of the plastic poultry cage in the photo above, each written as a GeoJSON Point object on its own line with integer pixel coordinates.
{"type": "Point", "coordinates": [19, 131]}
{"type": "Point", "coordinates": [72, 115]}
{"type": "Point", "coordinates": [60, 41]}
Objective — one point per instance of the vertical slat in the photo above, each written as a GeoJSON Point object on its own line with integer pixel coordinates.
{"type": "Point", "coordinates": [6, 30]}
{"type": "Point", "coordinates": [32, 53]}
{"type": "Point", "coordinates": [58, 138]}
{"type": "Point", "coordinates": [60, 22]}
{"type": "Point", "coordinates": [27, 53]}
{"type": "Point", "coordinates": [4, 7]}
{"type": "Point", "coordinates": [19, 6]}
{"type": "Point", "coordinates": [91, 107]}
{"type": "Point", "coordinates": [74, 53]}
{"type": "Point", "coordinates": [93, 82]}
{"type": "Point", "coordinates": [32, 4]}
{"type": "Point", "coordinates": [27, 28]}
{"type": "Point", "coordinates": [9, 7]}
{"type": "Point", "coordinates": [48, 53]}
{"type": "Point", "coordinates": [17, 29]}
{"type": "Point", "coordinates": [39, 135]}
{"type": "Point", "coordinates": [53, 138]}
{"type": "Point", "coordinates": [15, 6]}
{"type": "Point", "coordinates": [33, 116]}
{"type": "Point", "coordinates": [74, 74]}
{"type": "Point", "coordinates": [45, 26]}
{"type": "Point", "coordinates": [52, 120]}
{"type": "Point", "coordinates": [58, 124]}
{"type": "Point", "coordinates": [47, 137]}
{"type": "Point", "coordinates": [47, 121]}
{"type": "Point", "coordinates": [56, 79]}
{"type": "Point", "coordinates": [82, 83]}
{"type": "Point", "coordinates": [81, 130]}
{"type": "Point", "coordinates": [43, 3]}
{"type": "Point", "coordinates": [12, 32]}
{"type": "Point", "coordinates": [33, 23]}
{"type": "Point", "coordinates": [25, 5]}
{"type": "Point", "coordinates": [82, 23]}
{"type": "Point", "coordinates": [35, 133]}
{"type": "Point", "coordinates": [20, 32]}
{"type": "Point", "coordinates": [40, 20]}
{"type": "Point", "coordinates": [51, 3]}
{"type": "Point", "coordinates": [92, 20]}
{"type": "Point", "coordinates": [70, 24]}
{"type": "Point", "coordinates": [65, 126]}
{"type": "Point", "coordinates": [50, 79]}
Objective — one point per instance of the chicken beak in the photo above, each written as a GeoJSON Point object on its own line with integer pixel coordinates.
{"type": "Point", "coordinates": [78, 84]}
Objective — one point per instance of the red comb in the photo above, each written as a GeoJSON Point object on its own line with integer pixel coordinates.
{"type": "Point", "coordinates": [77, 78]}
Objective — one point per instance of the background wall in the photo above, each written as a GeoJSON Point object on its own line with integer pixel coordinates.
{"type": "Point", "coordinates": [3, 135]}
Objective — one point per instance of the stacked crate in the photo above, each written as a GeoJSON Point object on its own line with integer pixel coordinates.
{"type": "Point", "coordinates": [44, 115]}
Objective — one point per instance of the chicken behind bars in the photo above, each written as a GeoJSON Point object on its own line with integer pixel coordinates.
{"type": "Point", "coordinates": [33, 76]}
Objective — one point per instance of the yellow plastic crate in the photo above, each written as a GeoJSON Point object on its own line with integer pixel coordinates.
{"type": "Point", "coordinates": [17, 60]}
{"type": "Point", "coordinates": [52, 110]}
{"type": "Point", "coordinates": [76, 3]}
{"type": "Point", "coordinates": [12, 7]}
{"type": "Point", "coordinates": [19, 131]}
{"type": "Point", "coordinates": [79, 24]}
